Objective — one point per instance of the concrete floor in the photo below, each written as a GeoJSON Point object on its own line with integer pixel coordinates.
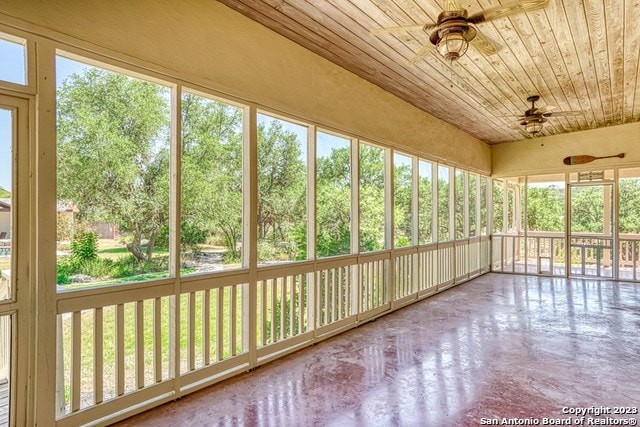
{"type": "Point", "coordinates": [500, 346]}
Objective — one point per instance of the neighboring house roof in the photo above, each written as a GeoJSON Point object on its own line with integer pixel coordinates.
{"type": "Point", "coordinates": [5, 205]}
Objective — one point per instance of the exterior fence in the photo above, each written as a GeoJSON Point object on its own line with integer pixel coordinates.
{"type": "Point", "coordinates": [130, 347]}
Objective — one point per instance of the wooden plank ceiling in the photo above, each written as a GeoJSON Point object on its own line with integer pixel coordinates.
{"type": "Point", "coordinates": [578, 55]}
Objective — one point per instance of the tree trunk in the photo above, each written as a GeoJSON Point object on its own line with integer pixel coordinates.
{"type": "Point", "coordinates": [135, 248]}
{"type": "Point", "coordinates": [151, 244]}
{"type": "Point", "coordinates": [136, 251]}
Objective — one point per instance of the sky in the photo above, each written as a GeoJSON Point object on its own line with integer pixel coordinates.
{"type": "Point", "coordinates": [12, 69]}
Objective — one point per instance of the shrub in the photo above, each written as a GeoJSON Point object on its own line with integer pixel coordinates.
{"type": "Point", "coordinates": [123, 267]}
{"type": "Point", "coordinates": [84, 246]}
{"type": "Point", "coordinates": [96, 268]}
{"type": "Point", "coordinates": [231, 257]}
{"type": "Point", "coordinates": [66, 267]}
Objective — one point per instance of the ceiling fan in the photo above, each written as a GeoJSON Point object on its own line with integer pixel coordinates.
{"type": "Point", "coordinates": [455, 28]}
{"type": "Point", "coordinates": [534, 118]}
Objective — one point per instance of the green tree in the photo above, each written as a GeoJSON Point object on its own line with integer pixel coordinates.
{"type": "Point", "coordinates": [282, 196]}
{"type": "Point", "coordinates": [372, 213]}
{"type": "Point", "coordinates": [545, 208]}
{"type": "Point", "coordinates": [425, 202]}
{"type": "Point", "coordinates": [587, 209]}
{"type": "Point", "coordinates": [444, 198]}
{"type": "Point", "coordinates": [402, 194]}
{"type": "Point", "coordinates": [333, 195]}
{"type": "Point", "coordinates": [498, 205]}
{"type": "Point", "coordinates": [113, 153]}
{"type": "Point", "coordinates": [212, 169]}
{"type": "Point", "coordinates": [629, 194]}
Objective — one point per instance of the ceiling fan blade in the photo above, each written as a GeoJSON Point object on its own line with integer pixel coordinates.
{"type": "Point", "coordinates": [485, 45]}
{"type": "Point", "coordinates": [547, 109]}
{"type": "Point", "coordinates": [566, 113]}
{"type": "Point", "coordinates": [512, 116]}
{"type": "Point", "coordinates": [420, 53]}
{"type": "Point", "coordinates": [508, 9]}
{"type": "Point", "coordinates": [403, 28]}
{"type": "Point", "coordinates": [452, 5]}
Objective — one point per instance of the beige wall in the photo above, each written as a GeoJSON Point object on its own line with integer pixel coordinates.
{"type": "Point", "coordinates": [207, 43]}
{"type": "Point", "coordinates": [545, 155]}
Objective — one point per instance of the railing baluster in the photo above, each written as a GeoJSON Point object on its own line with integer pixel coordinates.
{"type": "Point", "coordinates": [219, 324]}
{"type": "Point", "coordinates": [206, 329]}
{"type": "Point", "coordinates": [263, 287]}
{"type": "Point", "coordinates": [157, 338]}
{"type": "Point", "coordinates": [341, 304]}
{"type": "Point", "coordinates": [191, 331]}
{"type": "Point", "coordinates": [76, 339]}
{"type": "Point", "coordinates": [98, 354]}
{"type": "Point", "coordinates": [232, 319]}
{"type": "Point", "coordinates": [301, 295]}
{"type": "Point", "coordinates": [274, 320]}
{"type": "Point", "coordinates": [120, 349]}
{"type": "Point", "coordinates": [292, 305]}
{"type": "Point", "coordinates": [139, 340]}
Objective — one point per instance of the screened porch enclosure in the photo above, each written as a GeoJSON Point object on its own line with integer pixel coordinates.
{"type": "Point", "coordinates": [160, 234]}
{"type": "Point", "coordinates": [586, 226]}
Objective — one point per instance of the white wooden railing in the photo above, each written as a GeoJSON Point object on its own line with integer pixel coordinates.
{"type": "Point", "coordinates": [545, 253]}
{"type": "Point", "coordinates": [131, 347]}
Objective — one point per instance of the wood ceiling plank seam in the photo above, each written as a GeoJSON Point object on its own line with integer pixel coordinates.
{"type": "Point", "coordinates": [287, 31]}
{"type": "Point", "coordinates": [532, 43]}
{"type": "Point", "coordinates": [614, 19]}
{"type": "Point", "coordinates": [589, 99]}
{"type": "Point", "coordinates": [511, 59]}
{"type": "Point", "coordinates": [563, 37]}
{"type": "Point", "coordinates": [596, 30]}
{"type": "Point", "coordinates": [340, 25]}
{"type": "Point", "coordinates": [576, 19]}
{"type": "Point", "coordinates": [507, 58]}
{"type": "Point", "coordinates": [513, 43]}
{"type": "Point", "coordinates": [632, 57]}
{"type": "Point", "coordinates": [564, 74]}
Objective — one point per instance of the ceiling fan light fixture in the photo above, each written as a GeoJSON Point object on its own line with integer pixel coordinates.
{"type": "Point", "coordinates": [534, 127]}
{"type": "Point", "coordinates": [452, 45]}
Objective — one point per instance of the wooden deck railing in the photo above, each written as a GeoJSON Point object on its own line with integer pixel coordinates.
{"type": "Point", "coordinates": [136, 345]}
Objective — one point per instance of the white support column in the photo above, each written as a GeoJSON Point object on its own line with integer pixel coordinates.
{"type": "Point", "coordinates": [250, 230]}
{"type": "Point", "coordinates": [452, 204]}
{"type": "Point", "coordinates": [174, 236]}
{"type": "Point", "coordinates": [415, 183]}
{"type": "Point", "coordinates": [389, 221]}
{"type": "Point", "coordinates": [311, 222]}
{"type": "Point", "coordinates": [615, 224]}
{"type": "Point", "coordinates": [43, 221]}
{"type": "Point", "coordinates": [567, 228]}
{"type": "Point", "coordinates": [465, 204]}
{"type": "Point", "coordinates": [311, 192]}
{"type": "Point", "coordinates": [434, 202]}
{"type": "Point", "coordinates": [355, 225]}
{"type": "Point", "coordinates": [415, 224]}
